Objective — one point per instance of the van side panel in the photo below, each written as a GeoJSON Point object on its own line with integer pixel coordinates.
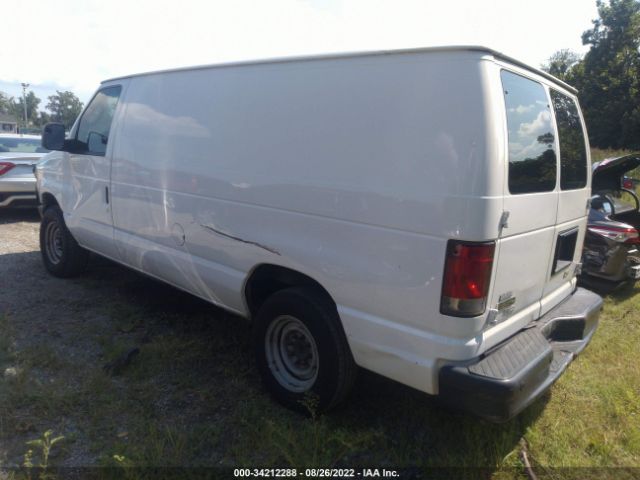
{"type": "Point", "coordinates": [353, 171]}
{"type": "Point", "coordinates": [368, 140]}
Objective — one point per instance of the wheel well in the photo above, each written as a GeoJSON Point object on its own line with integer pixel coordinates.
{"type": "Point", "coordinates": [48, 200]}
{"type": "Point", "coordinates": [266, 280]}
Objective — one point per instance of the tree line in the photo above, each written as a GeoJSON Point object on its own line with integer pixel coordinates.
{"type": "Point", "coordinates": [63, 107]}
{"type": "Point", "coordinates": [608, 75]}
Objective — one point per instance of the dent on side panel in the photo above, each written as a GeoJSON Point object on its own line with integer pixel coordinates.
{"type": "Point", "coordinates": [50, 176]}
{"type": "Point", "coordinates": [238, 239]}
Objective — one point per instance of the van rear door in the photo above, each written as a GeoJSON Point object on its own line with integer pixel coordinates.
{"type": "Point", "coordinates": [530, 201]}
{"type": "Point", "coordinates": [572, 198]}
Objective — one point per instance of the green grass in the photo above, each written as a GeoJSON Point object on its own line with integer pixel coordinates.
{"type": "Point", "coordinates": [598, 154]}
{"type": "Point", "coordinates": [593, 417]}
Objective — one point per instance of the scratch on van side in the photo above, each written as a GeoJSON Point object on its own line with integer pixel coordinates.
{"type": "Point", "coordinates": [240, 239]}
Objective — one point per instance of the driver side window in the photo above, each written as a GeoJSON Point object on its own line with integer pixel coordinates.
{"type": "Point", "coordinates": [94, 126]}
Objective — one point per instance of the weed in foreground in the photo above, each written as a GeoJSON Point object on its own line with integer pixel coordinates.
{"type": "Point", "coordinates": [44, 445]}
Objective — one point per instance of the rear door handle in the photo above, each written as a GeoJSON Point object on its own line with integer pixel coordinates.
{"type": "Point", "coordinates": [106, 194]}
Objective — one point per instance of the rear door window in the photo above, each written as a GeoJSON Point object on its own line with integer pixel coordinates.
{"type": "Point", "coordinates": [573, 153]}
{"type": "Point", "coordinates": [532, 158]}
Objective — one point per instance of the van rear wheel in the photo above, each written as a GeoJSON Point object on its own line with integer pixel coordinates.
{"type": "Point", "coordinates": [302, 352]}
{"type": "Point", "coordinates": [61, 254]}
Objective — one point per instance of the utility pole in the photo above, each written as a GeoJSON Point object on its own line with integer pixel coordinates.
{"type": "Point", "coordinates": [24, 101]}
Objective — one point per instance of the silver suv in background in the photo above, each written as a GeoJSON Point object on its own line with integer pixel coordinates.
{"type": "Point", "coordinates": [18, 156]}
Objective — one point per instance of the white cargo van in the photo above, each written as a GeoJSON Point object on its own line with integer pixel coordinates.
{"type": "Point", "coordinates": [417, 213]}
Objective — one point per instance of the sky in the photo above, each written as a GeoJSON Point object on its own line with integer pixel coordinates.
{"type": "Point", "coordinates": [74, 44]}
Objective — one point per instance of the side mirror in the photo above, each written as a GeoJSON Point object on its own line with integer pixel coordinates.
{"type": "Point", "coordinates": [53, 136]}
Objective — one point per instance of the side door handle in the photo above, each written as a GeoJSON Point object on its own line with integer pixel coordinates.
{"type": "Point", "coordinates": [106, 195]}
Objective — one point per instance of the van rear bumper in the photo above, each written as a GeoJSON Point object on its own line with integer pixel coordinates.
{"type": "Point", "coordinates": [503, 382]}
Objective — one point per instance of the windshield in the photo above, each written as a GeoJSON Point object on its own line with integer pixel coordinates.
{"type": "Point", "coordinates": [21, 145]}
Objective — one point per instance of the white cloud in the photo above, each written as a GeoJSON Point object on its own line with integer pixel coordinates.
{"type": "Point", "coordinates": [520, 109]}
{"type": "Point", "coordinates": [75, 44]}
{"type": "Point", "coordinates": [538, 126]}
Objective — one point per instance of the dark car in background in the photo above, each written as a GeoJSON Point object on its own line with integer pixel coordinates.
{"type": "Point", "coordinates": [611, 254]}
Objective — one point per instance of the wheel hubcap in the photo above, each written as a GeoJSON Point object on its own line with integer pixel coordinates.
{"type": "Point", "coordinates": [53, 242]}
{"type": "Point", "coordinates": [292, 354]}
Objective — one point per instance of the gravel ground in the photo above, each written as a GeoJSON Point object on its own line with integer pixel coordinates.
{"type": "Point", "coordinates": [42, 310]}
{"type": "Point", "coordinates": [19, 231]}
{"type": "Point", "coordinates": [60, 334]}
{"type": "Point", "coordinates": [27, 292]}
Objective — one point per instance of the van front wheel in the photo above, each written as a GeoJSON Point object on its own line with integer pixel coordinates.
{"type": "Point", "coordinates": [302, 352]}
{"type": "Point", "coordinates": [61, 254]}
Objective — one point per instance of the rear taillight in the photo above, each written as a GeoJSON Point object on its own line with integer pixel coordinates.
{"type": "Point", "coordinates": [618, 234]}
{"type": "Point", "coordinates": [627, 183]}
{"type": "Point", "coordinates": [5, 167]}
{"type": "Point", "coordinates": [467, 275]}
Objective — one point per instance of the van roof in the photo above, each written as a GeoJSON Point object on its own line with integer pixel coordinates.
{"type": "Point", "coordinates": [474, 48]}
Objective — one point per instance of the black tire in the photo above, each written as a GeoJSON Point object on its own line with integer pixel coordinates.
{"type": "Point", "coordinates": [61, 254]}
{"type": "Point", "coordinates": [335, 369]}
